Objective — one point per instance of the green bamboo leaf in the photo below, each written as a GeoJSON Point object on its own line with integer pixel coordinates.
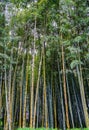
{"type": "Point", "coordinates": [4, 56]}
{"type": "Point", "coordinates": [87, 56]}
{"type": "Point", "coordinates": [78, 39]}
{"type": "Point", "coordinates": [74, 49]}
{"type": "Point", "coordinates": [74, 63]}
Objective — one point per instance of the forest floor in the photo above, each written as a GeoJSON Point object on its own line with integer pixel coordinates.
{"type": "Point", "coordinates": [48, 129]}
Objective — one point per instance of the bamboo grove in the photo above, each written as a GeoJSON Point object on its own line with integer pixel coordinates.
{"type": "Point", "coordinates": [44, 64]}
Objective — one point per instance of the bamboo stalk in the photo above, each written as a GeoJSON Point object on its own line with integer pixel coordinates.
{"type": "Point", "coordinates": [37, 91]}
{"type": "Point", "coordinates": [32, 83]}
{"type": "Point", "coordinates": [65, 90]}
{"type": "Point", "coordinates": [24, 110]}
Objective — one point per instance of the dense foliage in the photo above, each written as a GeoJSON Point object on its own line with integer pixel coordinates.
{"type": "Point", "coordinates": [44, 64]}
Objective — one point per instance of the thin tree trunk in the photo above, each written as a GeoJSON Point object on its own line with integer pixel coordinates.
{"type": "Point", "coordinates": [55, 113]}
{"type": "Point", "coordinates": [25, 96]}
{"type": "Point", "coordinates": [16, 107]}
{"type": "Point", "coordinates": [7, 102]}
{"type": "Point", "coordinates": [1, 94]}
{"type": "Point", "coordinates": [43, 111]}
{"type": "Point", "coordinates": [5, 121]}
{"type": "Point", "coordinates": [69, 99]}
{"type": "Point", "coordinates": [21, 84]}
{"type": "Point", "coordinates": [37, 91]}
{"type": "Point", "coordinates": [45, 89]}
{"type": "Point", "coordinates": [37, 124]}
{"type": "Point", "coordinates": [32, 85]}
{"type": "Point", "coordinates": [54, 103]}
{"type": "Point", "coordinates": [80, 121]}
{"type": "Point", "coordinates": [62, 102]}
{"type": "Point", "coordinates": [65, 90]}
{"type": "Point", "coordinates": [9, 80]}
{"type": "Point", "coordinates": [13, 96]}
{"type": "Point", "coordinates": [80, 80]}
{"type": "Point", "coordinates": [50, 106]}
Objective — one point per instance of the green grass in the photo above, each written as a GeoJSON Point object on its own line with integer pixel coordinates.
{"type": "Point", "coordinates": [35, 129]}
{"type": "Point", "coordinates": [50, 129]}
